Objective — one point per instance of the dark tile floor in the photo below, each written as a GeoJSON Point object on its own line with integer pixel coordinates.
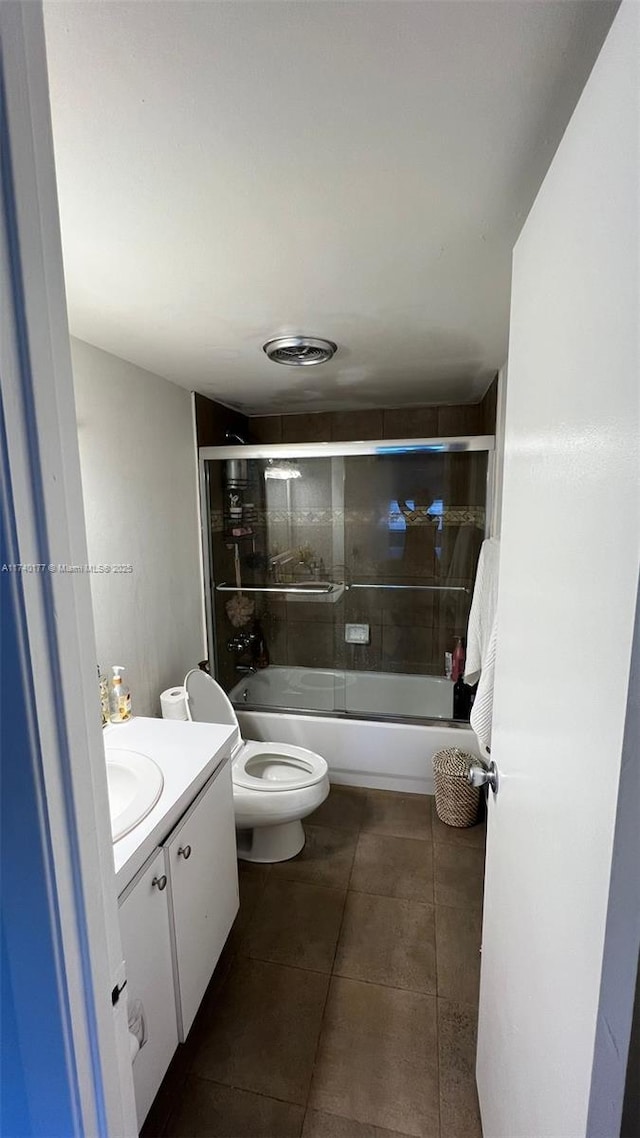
{"type": "Point", "coordinates": [345, 1002]}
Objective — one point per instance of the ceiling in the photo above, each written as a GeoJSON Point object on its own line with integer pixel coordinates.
{"type": "Point", "coordinates": [232, 171]}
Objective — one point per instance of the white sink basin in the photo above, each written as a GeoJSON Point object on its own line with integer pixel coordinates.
{"type": "Point", "coordinates": [135, 784]}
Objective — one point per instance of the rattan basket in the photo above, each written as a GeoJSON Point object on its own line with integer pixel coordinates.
{"type": "Point", "coordinates": [457, 803]}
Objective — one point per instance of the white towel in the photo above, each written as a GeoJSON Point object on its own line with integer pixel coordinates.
{"type": "Point", "coordinates": [137, 1027]}
{"type": "Point", "coordinates": [481, 641]}
{"type": "Point", "coordinates": [482, 710]}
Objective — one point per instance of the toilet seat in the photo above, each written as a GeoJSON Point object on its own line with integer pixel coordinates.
{"type": "Point", "coordinates": [259, 767]}
{"type": "Point", "coordinates": [275, 785]}
{"type": "Point", "coordinates": [269, 767]}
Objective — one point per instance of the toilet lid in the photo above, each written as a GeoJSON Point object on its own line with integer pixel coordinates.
{"type": "Point", "coordinates": [206, 701]}
{"type": "Point", "coordinates": [256, 766]}
{"type": "Point", "coordinates": [277, 767]}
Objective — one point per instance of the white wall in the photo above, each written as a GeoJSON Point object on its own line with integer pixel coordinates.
{"type": "Point", "coordinates": [570, 549]}
{"type": "Point", "coordinates": [138, 461]}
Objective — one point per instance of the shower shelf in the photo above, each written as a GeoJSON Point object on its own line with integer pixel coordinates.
{"type": "Point", "coordinates": [302, 589]}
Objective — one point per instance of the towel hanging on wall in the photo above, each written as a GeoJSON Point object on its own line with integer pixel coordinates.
{"type": "Point", "coordinates": [481, 641]}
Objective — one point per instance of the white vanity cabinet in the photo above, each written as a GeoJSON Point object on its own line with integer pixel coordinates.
{"type": "Point", "coordinates": [146, 944]}
{"type": "Point", "coordinates": [180, 892]}
{"type": "Point", "coordinates": [201, 866]}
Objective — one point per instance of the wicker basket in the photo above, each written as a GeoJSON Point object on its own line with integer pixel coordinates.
{"type": "Point", "coordinates": [457, 803]}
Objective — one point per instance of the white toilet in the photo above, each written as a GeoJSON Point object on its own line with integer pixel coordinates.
{"type": "Point", "coordinates": [275, 785]}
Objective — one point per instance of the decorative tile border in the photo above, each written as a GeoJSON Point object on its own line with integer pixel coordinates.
{"type": "Point", "coordinates": [451, 516]}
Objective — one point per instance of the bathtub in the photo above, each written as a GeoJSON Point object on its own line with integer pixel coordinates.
{"type": "Point", "coordinates": [341, 715]}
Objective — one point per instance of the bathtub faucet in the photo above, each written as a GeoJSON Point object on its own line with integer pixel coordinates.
{"type": "Point", "coordinates": [245, 670]}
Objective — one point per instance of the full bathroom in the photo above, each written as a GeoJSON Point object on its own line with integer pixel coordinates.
{"type": "Point", "coordinates": [337, 294]}
{"type": "Point", "coordinates": [330, 592]}
{"type": "Point", "coordinates": [295, 734]}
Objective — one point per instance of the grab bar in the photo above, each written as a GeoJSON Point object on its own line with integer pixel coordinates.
{"type": "Point", "coordinates": [313, 590]}
{"type": "Point", "coordinates": [424, 588]}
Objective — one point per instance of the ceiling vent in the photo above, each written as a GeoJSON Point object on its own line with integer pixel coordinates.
{"type": "Point", "coordinates": [299, 351]}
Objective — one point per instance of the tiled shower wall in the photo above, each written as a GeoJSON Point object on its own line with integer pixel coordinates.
{"type": "Point", "coordinates": [389, 423]}
{"type": "Point", "coordinates": [213, 420]}
{"type": "Point", "coordinates": [409, 632]}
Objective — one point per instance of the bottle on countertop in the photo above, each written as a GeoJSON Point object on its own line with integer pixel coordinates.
{"type": "Point", "coordinates": [119, 697]}
{"type": "Point", "coordinates": [103, 684]}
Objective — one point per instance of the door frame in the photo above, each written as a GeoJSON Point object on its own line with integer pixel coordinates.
{"type": "Point", "coordinates": [56, 673]}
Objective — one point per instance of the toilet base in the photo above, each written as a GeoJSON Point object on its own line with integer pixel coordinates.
{"type": "Point", "coordinates": [268, 844]}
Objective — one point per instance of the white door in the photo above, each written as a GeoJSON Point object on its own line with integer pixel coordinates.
{"type": "Point", "coordinates": [201, 863]}
{"type": "Point", "coordinates": [70, 1047]}
{"type": "Point", "coordinates": [568, 578]}
{"type": "Point", "coordinates": [146, 943]}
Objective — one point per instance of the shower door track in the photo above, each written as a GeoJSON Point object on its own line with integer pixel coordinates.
{"type": "Point", "coordinates": [459, 443]}
{"type": "Point", "coordinates": [344, 713]}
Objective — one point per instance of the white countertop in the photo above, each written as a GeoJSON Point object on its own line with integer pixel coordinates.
{"type": "Point", "coordinates": [187, 754]}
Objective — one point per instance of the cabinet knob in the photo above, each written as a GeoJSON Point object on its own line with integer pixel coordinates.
{"type": "Point", "coordinates": [185, 852]}
{"type": "Point", "coordinates": [161, 882]}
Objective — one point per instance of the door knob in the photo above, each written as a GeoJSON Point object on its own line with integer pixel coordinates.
{"type": "Point", "coordinates": [480, 775]}
{"type": "Point", "coordinates": [185, 852]}
{"type": "Point", "coordinates": [161, 882]}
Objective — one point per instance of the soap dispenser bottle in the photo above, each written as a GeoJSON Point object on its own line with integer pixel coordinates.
{"type": "Point", "coordinates": [119, 697]}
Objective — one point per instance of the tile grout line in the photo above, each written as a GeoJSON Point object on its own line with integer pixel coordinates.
{"type": "Point", "coordinates": [282, 964]}
{"type": "Point", "coordinates": [331, 974]}
{"type": "Point", "coordinates": [244, 1090]}
{"type": "Point", "coordinates": [342, 975]}
{"type": "Point", "coordinates": [387, 987]}
{"type": "Point", "coordinates": [358, 833]}
{"type": "Point", "coordinates": [393, 897]}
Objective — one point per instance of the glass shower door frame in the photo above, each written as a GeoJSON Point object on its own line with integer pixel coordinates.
{"type": "Point", "coordinates": [380, 447]}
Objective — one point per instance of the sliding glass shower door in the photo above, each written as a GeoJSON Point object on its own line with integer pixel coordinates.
{"type": "Point", "coordinates": [349, 574]}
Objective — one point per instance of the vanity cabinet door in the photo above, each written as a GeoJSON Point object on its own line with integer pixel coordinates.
{"type": "Point", "coordinates": [146, 944]}
{"type": "Point", "coordinates": [201, 863]}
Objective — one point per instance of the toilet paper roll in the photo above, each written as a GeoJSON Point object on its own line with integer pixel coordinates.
{"type": "Point", "coordinates": [173, 703]}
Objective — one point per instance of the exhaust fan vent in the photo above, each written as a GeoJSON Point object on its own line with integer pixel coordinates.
{"type": "Point", "coordinates": [299, 351]}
